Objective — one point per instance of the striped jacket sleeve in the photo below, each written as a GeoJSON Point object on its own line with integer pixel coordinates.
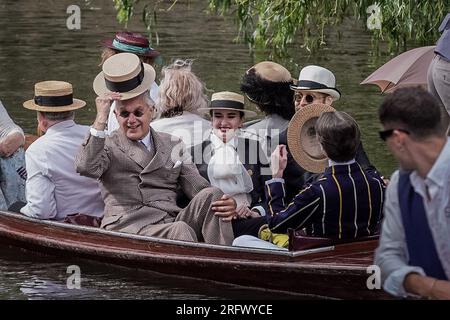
{"type": "Point", "coordinates": [295, 214]}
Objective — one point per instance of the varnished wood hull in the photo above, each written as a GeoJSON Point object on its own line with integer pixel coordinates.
{"type": "Point", "coordinates": [337, 272]}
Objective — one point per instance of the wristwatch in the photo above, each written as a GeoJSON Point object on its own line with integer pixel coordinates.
{"type": "Point", "coordinates": [97, 133]}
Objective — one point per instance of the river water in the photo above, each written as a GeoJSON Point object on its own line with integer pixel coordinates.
{"type": "Point", "coordinates": [36, 45]}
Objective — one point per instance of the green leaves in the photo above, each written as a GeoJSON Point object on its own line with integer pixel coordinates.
{"type": "Point", "coordinates": [275, 24]}
{"type": "Point", "coordinates": [124, 10]}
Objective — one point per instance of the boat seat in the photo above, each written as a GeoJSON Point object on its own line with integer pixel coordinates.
{"type": "Point", "coordinates": [298, 240]}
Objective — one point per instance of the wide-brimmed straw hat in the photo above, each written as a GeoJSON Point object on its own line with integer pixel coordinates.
{"type": "Point", "coordinates": [317, 79]}
{"type": "Point", "coordinates": [131, 42]}
{"type": "Point", "coordinates": [124, 73]}
{"type": "Point", "coordinates": [229, 101]}
{"type": "Point", "coordinates": [53, 96]}
{"type": "Point", "coordinates": [302, 140]}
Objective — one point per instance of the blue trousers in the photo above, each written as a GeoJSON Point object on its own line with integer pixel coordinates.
{"type": "Point", "coordinates": [12, 179]}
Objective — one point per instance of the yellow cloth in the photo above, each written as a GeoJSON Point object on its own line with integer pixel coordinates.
{"type": "Point", "coordinates": [279, 239]}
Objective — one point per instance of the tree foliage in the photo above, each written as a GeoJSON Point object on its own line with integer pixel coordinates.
{"type": "Point", "coordinates": [274, 24]}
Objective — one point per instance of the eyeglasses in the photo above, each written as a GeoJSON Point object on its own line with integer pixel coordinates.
{"type": "Point", "coordinates": [126, 114]}
{"type": "Point", "coordinates": [298, 97]}
{"type": "Point", "coordinates": [384, 135]}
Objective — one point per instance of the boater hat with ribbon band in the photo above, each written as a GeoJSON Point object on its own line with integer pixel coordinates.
{"type": "Point", "coordinates": [131, 42]}
{"type": "Point", "coordinates": [317, 79]}
{"type": "Point", "coordinates": [124, 73]}
{"type": "Point", "coordinates": [53, 96]}
{"type": "Point", "coordinates": [229, 101]}
{"type": "Point", "coordinates": [271, 71]}
{"type": "Point", "coordinates": [302, 140]}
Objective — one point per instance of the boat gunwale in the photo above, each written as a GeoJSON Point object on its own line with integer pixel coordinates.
{"type": "Point", "coordinates": [155, 240]}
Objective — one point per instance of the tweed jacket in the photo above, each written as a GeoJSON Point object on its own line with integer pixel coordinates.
{"type": "Point", "coordinates": [139, 187]}
{"type": "Point", "coordinates": [252, 157]}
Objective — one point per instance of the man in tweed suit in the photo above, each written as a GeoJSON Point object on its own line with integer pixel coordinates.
{"type": "Point", "coordinates": [141, 170]}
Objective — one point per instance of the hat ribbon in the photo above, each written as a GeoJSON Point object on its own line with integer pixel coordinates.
{"type": "Point", "coordinates": [227, 104]}
{"type": "Point", "coordinates": [311, 85]}
{"type": "Point", "coordinates": [54, 101]}
{"type": "Point", "coordinates": [130, 48]}
{"type": "Point", "coordinates": [128, 85]}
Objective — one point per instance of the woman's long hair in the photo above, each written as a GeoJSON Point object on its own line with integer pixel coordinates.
{"type": "Point", "coordinates": [180, 90]}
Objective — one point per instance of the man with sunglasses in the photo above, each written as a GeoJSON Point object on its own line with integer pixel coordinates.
{"type": "Point", "coordinates": [414, 249]}
{"type": "Point", "coordinates": [315, 85]}
{"type": "Point", "coordinates": [141, 170]}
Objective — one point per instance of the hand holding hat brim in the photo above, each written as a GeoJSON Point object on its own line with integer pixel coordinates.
{"type": "Point", "coordinates": [302, 140]}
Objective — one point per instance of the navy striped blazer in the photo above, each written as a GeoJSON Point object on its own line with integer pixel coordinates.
{"type": "Point", "coordinates": [346, 202]}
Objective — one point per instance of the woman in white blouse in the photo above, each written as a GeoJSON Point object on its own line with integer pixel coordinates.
{"type": "Point", "coordinates": [234, 164]}
{"type": "Point", "coordinates": [181, 94]}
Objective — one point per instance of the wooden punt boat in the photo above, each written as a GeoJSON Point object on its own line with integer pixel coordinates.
{"type": "Point", "coordinates": [334, 271]}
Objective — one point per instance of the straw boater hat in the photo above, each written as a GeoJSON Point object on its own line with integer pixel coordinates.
{"type": "Point", "coordinates": [124, 73]}
{"type": "Point", "coordinates": [261, 81]}
{"type": "Point", "coordinates": [272, 71]}
{"type": "Point", "coordinates": [317, 79]}
{"type": "Point", "coordinates": [131, 42]}
{"type": "Point", "coordinates": [229, 101]}
{"type": "Point", "coordinates": [53, 96]}
{"type": "Point", "coordinates": [302, 140]}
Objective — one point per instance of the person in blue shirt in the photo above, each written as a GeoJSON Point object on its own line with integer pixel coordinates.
{"type": "Point", "coordinates": [414, 250]}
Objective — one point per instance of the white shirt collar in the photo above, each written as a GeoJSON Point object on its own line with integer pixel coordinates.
{"type": "Point", "coordinates": [333, 163]}
{"type": "Point", "coordinates": [218, 143]}
{"type": "Point", "coordinates": [147, 141]}
{"type": "Point", "coordinates": [61, 125]}
{"type": "Point", "coordinates": [435, 178]}
{"type": "Point", "coordinates": [440, 167]}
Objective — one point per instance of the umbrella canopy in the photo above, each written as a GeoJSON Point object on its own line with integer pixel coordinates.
{"type": "Point", "coordinates": [407, 69]}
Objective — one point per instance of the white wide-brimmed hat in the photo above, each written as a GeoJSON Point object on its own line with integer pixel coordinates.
{"type": "Point", "coordinates": [317, 79]}
{"type": "Point", "coordinates": [53, 96]}
{"type": "Point", "coordinates": [229, 101]}
{"type": "Point", "coordinates": [124, 73]}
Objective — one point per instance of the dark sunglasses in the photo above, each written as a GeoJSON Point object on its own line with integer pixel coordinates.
{"type": "Point", "coordinates": [384, 135]}
{"type": "Point", "coordinates": [309, 98]}
{"type": "Point", "coordinates": [126, 114]}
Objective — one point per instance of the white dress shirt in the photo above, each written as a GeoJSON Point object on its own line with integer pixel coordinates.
{"type": "Point", "coordinates": [147, 141]}
{"type": "Point", "coordinates": [53, 188]}
{"type": "Point", "coordinates": [392, 254]}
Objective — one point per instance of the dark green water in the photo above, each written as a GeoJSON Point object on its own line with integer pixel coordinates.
{"type": "Point", "coordinates": [35, 45]}
{"type": "Point", "coordinates": [26, 275]}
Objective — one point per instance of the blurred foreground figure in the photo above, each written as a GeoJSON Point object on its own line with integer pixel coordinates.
{"type": "Point", "coordinates": [414, 250]}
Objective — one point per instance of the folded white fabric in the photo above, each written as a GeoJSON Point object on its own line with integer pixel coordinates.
{"type": "Point", "coordinates": [226, 171]}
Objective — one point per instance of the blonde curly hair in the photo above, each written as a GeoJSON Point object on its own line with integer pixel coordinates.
{"type": "Point", "coordinates": [180, 90]}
